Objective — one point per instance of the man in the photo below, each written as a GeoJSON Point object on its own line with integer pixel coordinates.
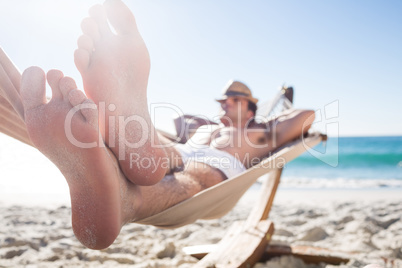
{"type": "Point", "coordinates": [104, 194]}
{"type": "Point", "coordinates": [241, 141]}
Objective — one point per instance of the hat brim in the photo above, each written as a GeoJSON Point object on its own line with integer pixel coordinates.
{"type": "Point", "coordinates": [225, 97]}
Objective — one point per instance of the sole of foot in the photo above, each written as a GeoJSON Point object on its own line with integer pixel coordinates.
{"type": "Point", "coordinates": [65, 129]}
{"type": "Point", "coordinates": [115, 69]}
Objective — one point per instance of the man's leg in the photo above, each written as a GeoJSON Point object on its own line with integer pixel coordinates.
{"type": "Point", "coordinates": [115, 70]}
{"type": "Point", "coordinates": [177, 187]}
{"type": "Point", "coordinates": [174, 157]}
{"type": "Point", "coordinates": [102, 199]}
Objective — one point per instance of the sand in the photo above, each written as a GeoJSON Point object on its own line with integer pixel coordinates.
{"type": "Point", "coordinates": [365, 223]}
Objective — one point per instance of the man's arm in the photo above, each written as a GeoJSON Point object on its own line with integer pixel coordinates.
{"type": "Point", "coordinates": [290, 125]}
{"type": "Point", "coordinates": [264, 138]}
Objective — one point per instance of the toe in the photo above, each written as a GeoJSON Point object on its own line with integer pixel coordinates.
{"type": "Point", "coordinates": [81, 59]}
{"type": "Point", "coordinates": [120, 16]}
{"type": "Point", "coordinates": [76, 97]}
{"type": "Point", "coordinates": [66, 84]}
{"type": "Point", "coordinates": [33, 88]}
{"type": "Point", "coordinates": [90, 27]}
{"type": "Point", "coordinates": [53, 78]}
{"type": "Point", "coordinates": [85, 42]}
{"type": "Point", "coordinates": [98, 13]}
{"type": "Point", "coordinates": [87, 107]}
{"type": "Point", "coordinates": [90, 111]}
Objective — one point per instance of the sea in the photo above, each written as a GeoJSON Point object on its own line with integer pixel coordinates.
{"type": "Point", "coordinates": [348, 163]}
{"type": "Point", "coordinates": [339, 163]}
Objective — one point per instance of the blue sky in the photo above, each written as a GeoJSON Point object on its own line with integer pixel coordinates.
{"type": "Point", "coordinates": [345, 55]}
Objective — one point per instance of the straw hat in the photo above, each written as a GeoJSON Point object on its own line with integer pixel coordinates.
{"type": "Point", "coordinates": [236, 88]}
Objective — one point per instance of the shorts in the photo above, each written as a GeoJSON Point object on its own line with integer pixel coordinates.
{"type": "Point", "coordinates": [223, 161]}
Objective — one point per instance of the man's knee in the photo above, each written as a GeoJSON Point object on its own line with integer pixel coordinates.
{"type": "Point", "coordinates": [203, 174]}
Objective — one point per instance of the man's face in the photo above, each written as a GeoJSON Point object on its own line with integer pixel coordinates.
{"type": "Point", "coordinates": [234, 110]}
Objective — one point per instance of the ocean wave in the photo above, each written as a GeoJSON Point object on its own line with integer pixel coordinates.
{"type": "Point", "coordinates": [351, 159]}
{"type": "Point", "coordinates": [339, 183]}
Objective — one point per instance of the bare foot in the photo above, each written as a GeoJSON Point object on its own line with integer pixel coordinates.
{"type": "Point", "coordinates": [69, 137]}
{"type": "Point", "coordinates": [115, 70]}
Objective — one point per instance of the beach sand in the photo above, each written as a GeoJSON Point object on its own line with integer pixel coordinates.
{"type": "Point", "coordinates": [365, 223]}
{"type": "Point", "coordinates": [35, 223]}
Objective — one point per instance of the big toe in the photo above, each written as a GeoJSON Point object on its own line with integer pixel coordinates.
{"type": "Point", "coordinates": [33, 88]}
{"type": "Point", "coordinates": [120, 16]}
{"type": "Point", "coordinates": [97, 12]}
